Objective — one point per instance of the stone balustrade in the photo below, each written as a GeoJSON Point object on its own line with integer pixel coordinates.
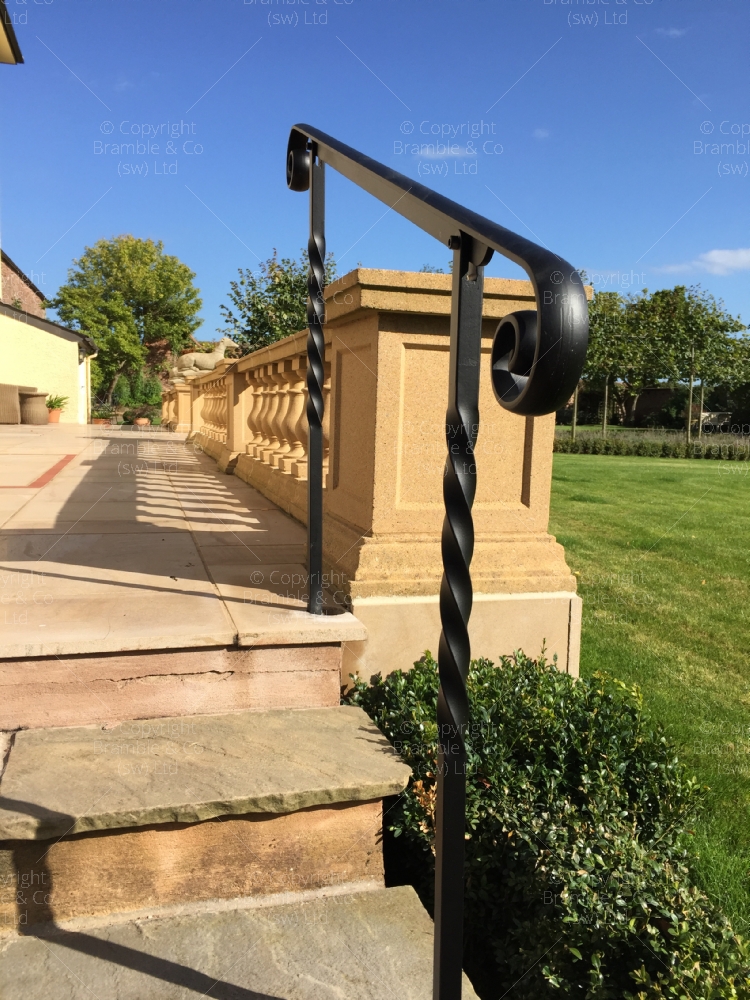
{"type": "Point", "coordinates": [387, 352]}
{"type": "Point", "coordinates": [214, 409]}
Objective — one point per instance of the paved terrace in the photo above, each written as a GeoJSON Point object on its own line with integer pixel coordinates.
{"type": "Point", "coordinates": [115, 539]}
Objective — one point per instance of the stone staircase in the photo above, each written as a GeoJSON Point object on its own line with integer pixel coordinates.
{"type": "Point", "coordinates": [185, 807]}
{"type": "Point", "coordinates": [231, 855]}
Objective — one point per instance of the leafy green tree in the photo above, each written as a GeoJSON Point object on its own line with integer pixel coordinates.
{"type": "Point", "coordinates": [137, 304]}
{"type": "Point", "coordinates": [697, 339]}
{"type": "Point", "coordinates": [677, 335]}
{"type": "Point", "coordinates": [270, 302]}
{"type": "Point", "coordinates": [138, 390]}
{"type": "Point", "coordinates": [607, 340]}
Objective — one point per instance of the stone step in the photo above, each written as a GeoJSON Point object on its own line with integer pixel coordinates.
{"type": "Point", "coordinates": [139, 582]}
{"type": "Point", "coordinates": [158, 812]}
{"type": "Point", "coordinates": [116, 687]}
{"type": "Point", "coordinates": [349, 946]}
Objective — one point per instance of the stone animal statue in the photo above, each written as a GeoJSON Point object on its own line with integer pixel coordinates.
{"type": "Point", "coordinates": [195, 363]}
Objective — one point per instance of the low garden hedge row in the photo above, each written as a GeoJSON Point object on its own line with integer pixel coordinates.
{"type": "Point", "coordinates": [578, 845]}
{"type": "Point", "coordinates": [618, 444]}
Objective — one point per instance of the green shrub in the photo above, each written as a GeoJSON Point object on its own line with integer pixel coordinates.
{"type": "Point", "coordinates": [138, 390]}
{"type": "Point", "coordinates": [578, 853]}
{"type": "Point", "coordinates": [621, 444]}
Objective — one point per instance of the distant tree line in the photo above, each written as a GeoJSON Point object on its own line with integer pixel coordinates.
{"type": "Point", "coordinates": [680, 338]}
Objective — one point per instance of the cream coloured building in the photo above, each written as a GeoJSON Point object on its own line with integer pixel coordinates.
{"type": "Point", "coordinates": [36, 352]}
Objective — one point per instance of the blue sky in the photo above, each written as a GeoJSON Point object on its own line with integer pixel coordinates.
{"type": "Point", "coordinates": [617, 133]}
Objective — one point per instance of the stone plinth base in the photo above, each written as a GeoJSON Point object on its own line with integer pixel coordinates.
{"type": "Point", "coordinates": [400, 629]}
{"type": "Point", "coordinates": [287, 492]}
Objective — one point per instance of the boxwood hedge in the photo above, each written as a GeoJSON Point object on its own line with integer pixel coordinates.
{"type": "Point", "coordinates": [578, 845]}
{"type": "Point", "coordinates": [619, 444]}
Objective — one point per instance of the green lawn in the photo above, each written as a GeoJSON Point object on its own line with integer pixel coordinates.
{"type": "Point", "coordinates": [662, 553]}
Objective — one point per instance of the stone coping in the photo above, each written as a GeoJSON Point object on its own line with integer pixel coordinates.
{"type": "Point", "coordinates": [376, 290]}
{"type": "Point", "coordinates": [354, 946]}
{"type": "Point", "coordinates": [71, 780]}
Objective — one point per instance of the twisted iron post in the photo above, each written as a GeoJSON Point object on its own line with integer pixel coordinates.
{"type": "Point", "coordinates": [306, 171]}
{"type": "Point", "coordinates": [457, 544]}
{"type": "Point", "coordinates": [316, 349]}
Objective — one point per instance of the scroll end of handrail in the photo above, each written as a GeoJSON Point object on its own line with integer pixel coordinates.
{"type": "Point", "coordinates": [298, 161]}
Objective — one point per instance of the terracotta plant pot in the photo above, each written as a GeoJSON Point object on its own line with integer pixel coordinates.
{"type": "Point", "coordinates": [54, 416]}
{"type": "Point", "coordinates": [141, 421]}
{"type": "Point", "coordinates": [100, 420]}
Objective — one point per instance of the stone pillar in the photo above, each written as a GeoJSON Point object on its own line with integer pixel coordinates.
{"type": "Point", "coordinates": [179, 402]}
{"type": "Point", "coordinates": [389, 354]}
{"type": "Point", "coordinates": [387, 344]}
{"type": "Point", "coordinates": [239, 396]}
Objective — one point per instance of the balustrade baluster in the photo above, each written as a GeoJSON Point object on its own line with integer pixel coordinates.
{"type": "Point", "coordinates": [276, 398]}
{"type": "Point", "coordinates": [253, 418]}
{"type": "Point", "coordinates": [263, 420]}
{"type": "Point", "coordinates": [326, 423]}
{"type": "Point", "coordinates": [299, 468]}
{"type": "Point", "coordinates": [285, 444]}
{"type": "Point", "coordinates": [296, 418]}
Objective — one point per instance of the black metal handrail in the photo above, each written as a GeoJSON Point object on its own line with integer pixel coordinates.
{"type": "Point", "coordinates": [537, 358]}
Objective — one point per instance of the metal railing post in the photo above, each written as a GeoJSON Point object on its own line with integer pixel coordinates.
{"type": "Point", "coordinates": [457, 543]}
{"type": "Point", "coordinates": [316, 251]}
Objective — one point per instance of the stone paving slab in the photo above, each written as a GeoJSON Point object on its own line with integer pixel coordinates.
{"type": "Point", "coordinates": [361, 946]}
{"type": "Point", "coordinates": [140, 543]}
{"type": "Point", "coordinates": [188, 769]}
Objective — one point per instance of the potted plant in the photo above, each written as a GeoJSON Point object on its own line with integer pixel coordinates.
{"type": "Point", "coordinates": [101, 415]}
{"type": "Point", "coordinates": [141, 416]}
{"type": "Point", "coordinates": [55, 405]}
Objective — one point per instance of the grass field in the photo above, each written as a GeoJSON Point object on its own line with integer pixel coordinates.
{"type": "Point", "coordinates": [662, 553]}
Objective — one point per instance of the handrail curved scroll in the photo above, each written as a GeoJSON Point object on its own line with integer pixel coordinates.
{"type": "Point", "coordinates": [537, 358]}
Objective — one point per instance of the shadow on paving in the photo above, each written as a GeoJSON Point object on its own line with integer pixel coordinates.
{"type": "Point", "coordinates": [144, 506]}
{"type": "Point", "coordinates": [150, 965]}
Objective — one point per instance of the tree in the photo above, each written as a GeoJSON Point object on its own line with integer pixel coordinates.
{"type": "Point", "coordinates": [646, 360]}
{"type": "Point", "coordinates": [136, 303]}
{"type": "Point", "coordinates": [271, 302]}
{"type": "Point", "coordinates": [674, 335]}
{"type": "Point", "coordinates": [697, 337]}
{"type": "Point", "coordinates": [607, 337]}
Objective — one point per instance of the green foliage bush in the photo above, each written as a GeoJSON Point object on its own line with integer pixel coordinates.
{"type": "Point", "coordinates": [269, 303]}
{"type": "Point", "coordinates": [578, 849]}
{"type": "Point", "coordinates": [141, 389]}
{"type": "Point", "coordinates": [619, 444]}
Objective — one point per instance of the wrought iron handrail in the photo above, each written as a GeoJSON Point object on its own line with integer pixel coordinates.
{"type": "Point", "coordinates": [537, 358]}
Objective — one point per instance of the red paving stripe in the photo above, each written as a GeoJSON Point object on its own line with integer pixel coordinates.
{"type": "Point", "coordinates": [46, 477]}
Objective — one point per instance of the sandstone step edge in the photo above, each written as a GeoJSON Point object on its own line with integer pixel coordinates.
{"type": "Point", "coordinates": [63, 781]}
{"type": "Point", "coordinates": [76, 925]}
{"type": "Point", "coordinates": [281, 627]}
